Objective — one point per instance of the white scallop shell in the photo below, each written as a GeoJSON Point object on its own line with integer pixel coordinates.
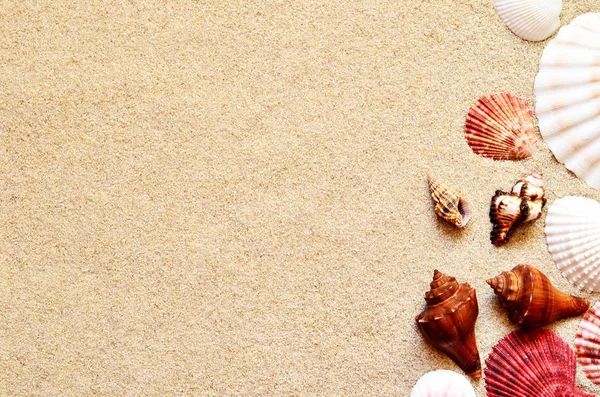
{"type": "Point", "coordinates": [567, 90]}
{"type": "Point", "coordinates": [442, 383]}
{"type": "Point", "coordinates": [532, 20]}
{"type": "Point", "coordinates": [587, 343]}
{"type": "Point", "coordinates": [573, 238]}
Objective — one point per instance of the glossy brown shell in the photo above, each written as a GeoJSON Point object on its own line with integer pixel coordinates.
{"type": "Point", "coordinates": [448, 321]}
{"type": "Point", "coordinates": [509, 210]}
{"type": "Point", "coordinates": [531, 300]}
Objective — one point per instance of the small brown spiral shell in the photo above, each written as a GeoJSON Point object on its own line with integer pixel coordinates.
{"type": "Point", "coordinates": [448, 321]}
{"type": "Point", "coordinates": [531, 300]}
{"type": "Point", "coordinates": [449, 205]}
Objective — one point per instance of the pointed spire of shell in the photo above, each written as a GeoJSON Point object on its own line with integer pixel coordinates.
{"type": "Point", "coordinates": [531, 300]}
{"type": "Point", "coordinates": [449, 205]}
{"type": "Point", "coordinates": [448, 321]}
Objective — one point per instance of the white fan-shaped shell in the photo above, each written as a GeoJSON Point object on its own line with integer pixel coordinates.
{"type": "Point", "coordinates": [573, 238]}
{"type": "Point", "coordinates": [442, 383]}
{"type": "Point", "coordinates": [587, 343]}
{"type": "Point", "coordinates": [532, 20]}
{"type": "Point", "coordinates": [567, 90]}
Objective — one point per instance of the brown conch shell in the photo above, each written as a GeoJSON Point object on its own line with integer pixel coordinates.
{"type": "Point", "coordinates": [449, 205]}
{"type": "Point", "coordinates": [501, 127]}
{"type": "Point", "coordinates": [448, 322]}
{"type": "Point", "coordinates": [509, 210]}
{"type": "Point", "coordinates": [531, 300]}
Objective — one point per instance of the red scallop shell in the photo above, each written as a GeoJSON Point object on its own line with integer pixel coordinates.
{"type": "Point", "coordinates": [587, 344]}
{"type": "Point", "coordinates": [535, 363]}
{"type": "Point", "coordinates": [501, 127]}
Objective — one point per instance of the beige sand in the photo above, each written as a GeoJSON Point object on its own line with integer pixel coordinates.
{"type": "Point", "coordinates": [228, 198]}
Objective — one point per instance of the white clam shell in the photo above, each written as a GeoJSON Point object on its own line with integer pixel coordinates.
{"type": "Point", "coordinates": [587, 343]}
{"type": "Point", "coordinates": [567, 90]}
{"type": "Point", "coordinates": [532, 20]}
{"type": "Point", "coordinates": [573, 238]}
{"type": "Point", "coordinates": [442, 383]}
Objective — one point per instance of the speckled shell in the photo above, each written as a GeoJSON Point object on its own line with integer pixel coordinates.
{"type": "Point", "coordinates": [449, 205]}
{"type": "Point", "coordinates": [509, 210]}
{"type": "Point", "coordinates": [531, 300]}
{"type": "Point", "coordinates": [532, 20]}
{"type": "Point", "coordinates": [442, 383]}
{"type": "Point", "coordinates": [536, 363]}
{"type": "Point", "coordinates": [448, 321]}
{"type": "Point", "coordinates": [587, 344]}
{"type": "Point", "coordinates": [501, 127]}
{"type": "Point", "coordinates": [567, 90]}
{"type": "Point", "coordinates": [573, 238]}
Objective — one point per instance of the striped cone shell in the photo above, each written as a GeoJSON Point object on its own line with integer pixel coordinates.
{"type": "Point", "coordinates": [501, 127]}
{"type": "Point", "coordinates": [449, 205]}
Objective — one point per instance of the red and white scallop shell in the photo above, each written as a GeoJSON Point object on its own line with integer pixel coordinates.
{"type": "Point", "coordinates": [501, 127]}
{"type": "Point", "coordinates": [442, 383]}
{"type": "Point", "coordinates": [587, 343]}
{"type": "Point", "coordinates": [532, 363]}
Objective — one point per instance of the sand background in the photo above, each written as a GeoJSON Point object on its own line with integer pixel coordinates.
{"type": "Point", "coordinates": [228, 198]}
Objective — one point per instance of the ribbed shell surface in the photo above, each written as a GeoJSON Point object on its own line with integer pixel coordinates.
{"type": "Point", "coordinates": [532, 20]}
{"type": "Point", "coordinates": [587, 344]}
{"type": "Point", "coordinates": [531, 364]}
{"type": "Point", "coordinates": [501, 127]}
{"type": "Point", "coordinates": [573, 238]}
{"type": "Point", "coordinates": [567, 90]}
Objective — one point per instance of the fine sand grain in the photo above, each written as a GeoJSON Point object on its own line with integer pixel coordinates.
{"type": "Point", "coordinates": [229, 198]}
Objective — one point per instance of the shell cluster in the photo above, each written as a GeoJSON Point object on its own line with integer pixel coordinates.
{"type": "Point", "coordinates": [532, 20]}
{"type": "Point", "coordinates": [442, 383]}
{"type": "Point", "coordinates": [531, 300]}
{"type": "Point", "coordinates": [567, 91]}
{"type": "Point", "coordinates": [448, 321]}
{"type": "Point", "coordinates": [451, 206]}
{"type": "Point", "coordinates": [509, 210]}
{"type": "Point", "coordinates": [501, 127]}
{"type": "Point", "coordinates": [573, 238]}
{"type": "Point", "coordinates": [537, 363]}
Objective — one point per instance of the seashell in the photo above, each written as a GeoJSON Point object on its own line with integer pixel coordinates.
{"type": "Point", "coordinates": [532, 20]}
{"type": "Point", "coordinates": [448, 321]}
{"type": "Point", "coordinates": [531, 300]}
{"type": "Point", "coordinates": [442, 383]}
{"type": "Point", "coordinates": [581, 393]}
{"type": "Point", "coordinates": [567, 90]}
{"type": "Point", "coordinates": [449, 205]}
{"type": "Point", "coordinates": [536, 363]}
{"type": "Point", "coordinates": [531, 188]}
{"type": "Point", "coordinates": [587, 344]}
{"type": "Point", "coordinates": [501, 127]}
{"type": "Point", "coordinates": [509, 210]}
{"type": "Point", "coordinates": [573, 239]}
